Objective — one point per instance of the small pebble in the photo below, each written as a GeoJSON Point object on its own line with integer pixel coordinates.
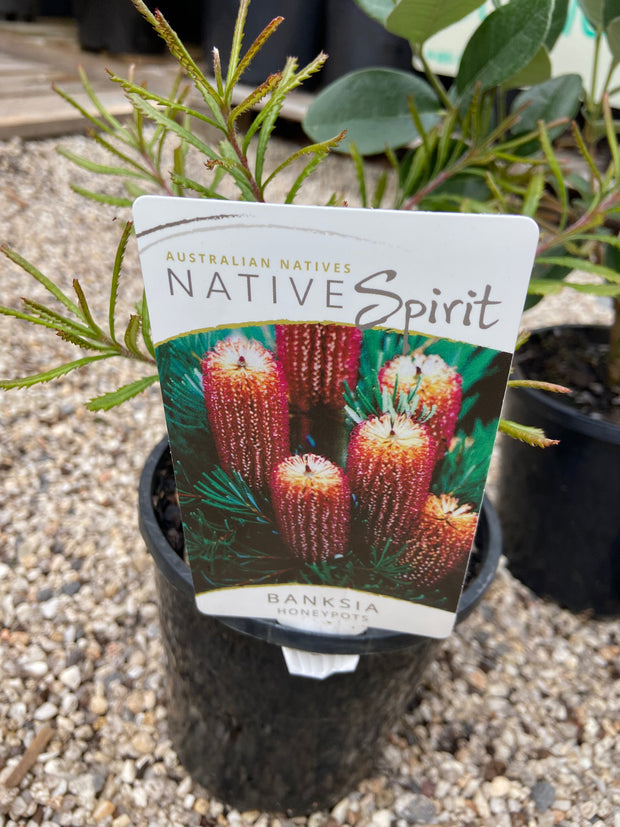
{"type": "Point", "coordinates": [98, 705]}
{"type": "Point", "coordinates": [71, 677]}
{"type": "Point", "coordinates": [46, 712]}
{"type": "Point", "coordinates": [36, 668]}
{"type": "Point", "coordinates": [543, 794]}
{"type": "Point", "coordinates": [104, 809]}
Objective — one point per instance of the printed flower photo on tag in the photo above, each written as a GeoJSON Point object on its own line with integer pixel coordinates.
{"type": "Point", "coordinates": [330, 456]}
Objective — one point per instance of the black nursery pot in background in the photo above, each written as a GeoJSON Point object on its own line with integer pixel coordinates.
{"type": "Point", "coordinates": [559, 507]}
{"type": "Point", "coordinates": [115, 26]}
{"type": "Point", "coordinates": [300, 35]}
{"type": "Point", "coordinates": [355, 41]}
{"type": "Point", "coordinates": [256, 736]}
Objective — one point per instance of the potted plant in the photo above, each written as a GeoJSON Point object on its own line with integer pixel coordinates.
{"type": "Point", "coordinates": [481, 144]}
{"type": "Point", "coordinates": [141, 160]}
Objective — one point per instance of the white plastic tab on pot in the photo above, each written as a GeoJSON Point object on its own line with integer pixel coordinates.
{"type": "Point", "coordinates": [315, 665]}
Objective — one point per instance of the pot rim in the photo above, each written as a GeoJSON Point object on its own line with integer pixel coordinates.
{"type": "Point", "coordinates": [178, 573]}
{"type": "Point", "coordinates": [561, 412]}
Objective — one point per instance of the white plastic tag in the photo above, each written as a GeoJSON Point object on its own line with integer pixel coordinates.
{"type": "Point", "coordinates": [315, 665]}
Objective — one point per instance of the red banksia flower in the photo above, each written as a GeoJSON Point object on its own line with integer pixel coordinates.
{"type": "Point", "coordinates": [439, 385]}
{"type": "Point", "coordinates": [312, 503]}
{"type": "Point", "coordinates": [246, 401]}
{"type": "Point", "coordinates": [389, 467]}
{"type": "Point", "coordinates": [317, 359]}
{"type": "Point", "coordinates": [443, 537]}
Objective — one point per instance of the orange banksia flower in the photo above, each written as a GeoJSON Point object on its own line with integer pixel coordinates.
{"type": "Point", "coordinates": [312, 503]}
{"type": "Point", "coordinates": [246, 400]}
{"type": "Point", "coordinates": [317, 359]}
{"type": "Point", "coordinates": [389, 466]}
{"type": "Point", "coordinates": [443, 538]}
{"type": "Point", "coordinates": [439, 385]}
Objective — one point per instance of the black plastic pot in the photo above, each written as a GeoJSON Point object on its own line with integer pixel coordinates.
{"type": "Point", "coordinates": [559, 506]}
{"type": "Point", "coordinates": [300, 35]}
{"type": "Point", "coordinates": [250, 732]}
{"type": "Point", "coordinates": [115, 26]}
{"type": "Point", "coordinates": [18, 9]}
{"type": "Point", "coordinates": [355, 41]}
{"type": "Point", "coordinates": [56, 8]}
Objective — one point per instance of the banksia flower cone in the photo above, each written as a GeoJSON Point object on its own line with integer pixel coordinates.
{"type": "Point", "coordinates": [312, 501]}
{"type": "Point", "coordinates": [246, 400]}
{"type": "Point", "coordinates": [442, 541]}
{"type": "Point", "coordinates": [389, 467]}
{"type": "Point", "coordinates": [439, 385]}
{"type": "Point", "coordinates": [317, 359]}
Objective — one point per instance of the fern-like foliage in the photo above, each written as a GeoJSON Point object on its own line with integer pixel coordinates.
{"type": "Point", "coordinates": [231, 494]}
{"type": "Point", "coordinates": [75, 323]}
{"type": "Point", "coordinates": [137, 149]}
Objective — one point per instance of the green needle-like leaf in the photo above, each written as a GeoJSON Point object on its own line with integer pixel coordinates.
{"type": "Point", "coordinates": [116, 274]}
{"type": "Point", "coordinates": [525, 433]}
{"type": "Point", "coordinates": [42, 279]}
{"type": "Point", "coordinates": [102, 198]}
{"type": "Point", "coordinates": [126, 392]}
{"type": "Point", "coordinates": [131, 335]}
{"type": "Point", "coordinates": [53, 373]}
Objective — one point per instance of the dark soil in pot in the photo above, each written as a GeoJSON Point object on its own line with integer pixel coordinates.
{"type": "Point", "coordinates": [254, 735]}
{"type": "Point", "coordinates": [575, 357]}
{"type": "Point", "coordinates": [559, 506]}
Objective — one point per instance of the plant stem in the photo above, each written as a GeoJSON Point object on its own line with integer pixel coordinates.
{"type": "Point", "coordinates": [232, 138]}
{"type": "Point", "coordinates": [434, 82]}
{"type": "Point", "coordinates": [595, 63]}
{"type": "Point", "coordinates": [553, 240]}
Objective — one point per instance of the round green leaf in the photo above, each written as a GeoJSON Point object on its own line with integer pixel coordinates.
{"type": "Point", "coordinates": [372, 105]}
{"type": "Point", "coordinates": [536, 71]}
{"type": "Point", "coordinates": [558, 21]}
{"type": "Point", "coordinates": [417, 20]}
{"type": "Point", "coordinates": [379, 10]}
{"type": "Point", "coordinates": [611, 11]}
{"type": "Point", "coordinates": [593, 12]}
{"type": "Point", "coordinates": [555, 98]}
{"type": "Point", "coordinates": [611, 24]}
{"type": "Point", "coordinates": [613, 37]}
{"type": "Point", "coordinates": [504, 43]}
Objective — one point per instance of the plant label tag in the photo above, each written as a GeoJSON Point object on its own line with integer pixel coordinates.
{"type": "Point", "coordinates": [332, 381]}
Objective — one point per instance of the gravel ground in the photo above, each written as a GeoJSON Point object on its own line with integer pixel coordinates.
{"type": "Point", "coordinates": [517, 722]}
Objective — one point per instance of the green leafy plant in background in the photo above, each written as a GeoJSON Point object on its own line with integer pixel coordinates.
{"type": "Point", "coordinates": [479, 144]}
{"type": "Point", "coordinates": [459, 148]}
{"type": "Point", "coordinates": [138, 157]}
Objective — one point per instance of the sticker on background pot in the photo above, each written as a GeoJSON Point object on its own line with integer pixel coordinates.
{"type": "Point", "coordinates": [332, 381]}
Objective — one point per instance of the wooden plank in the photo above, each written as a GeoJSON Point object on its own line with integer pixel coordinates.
{"type": "Point", "coordinates": [34, 56]}
{"type": "Point", "coordinates": [48, 115]}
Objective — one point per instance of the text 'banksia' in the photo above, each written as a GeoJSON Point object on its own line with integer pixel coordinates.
{"type": "Point", "coordinates": [311, 501]}
{"type": "Point", "coordinates": [246, 400]}
{"type": "Point", "coordinates": [317, 359]}
{"type": "Point", "coordinates": [389, 467]}
{"type": "Point", "coordinates": [442, 540]}
{"type": "Point", "coordinates": [438, 384]}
